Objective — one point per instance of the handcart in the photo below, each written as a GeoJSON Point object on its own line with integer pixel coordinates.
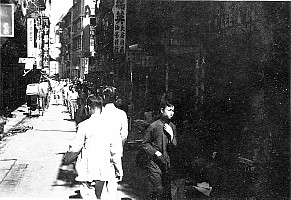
{"type": "Point", "coordinates": [33, 99]}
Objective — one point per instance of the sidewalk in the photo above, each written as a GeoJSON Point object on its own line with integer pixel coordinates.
{"type": "Point", "coordinates": [30, 161]}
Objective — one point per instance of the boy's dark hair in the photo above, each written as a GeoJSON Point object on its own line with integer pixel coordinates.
{"type": "Point", "coordinates": [109, 95]}
{"type": "Point", "coordinates": [164, 103]}
{"type": "Point", "coordinates": [95, 101]}
{"type": "Point", "coordinates": [166, 100]}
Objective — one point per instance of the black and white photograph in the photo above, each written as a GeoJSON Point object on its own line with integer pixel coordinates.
{"type": "Point", "coordinates": [145, 99]}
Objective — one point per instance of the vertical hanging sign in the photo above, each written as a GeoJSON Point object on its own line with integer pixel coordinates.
{"type": "Point", "coordinates": [46, 26]}
{"type": "Point", "coordinates": [119, 34]}
{"type": "Point", "coordinates": [30, 37]}
{"type": "Point", "coordinates": [39, 44]}
{"type": "Point", "coordinates": [86, 64]}
{"type": "Point", "coordinates": [92, 42]}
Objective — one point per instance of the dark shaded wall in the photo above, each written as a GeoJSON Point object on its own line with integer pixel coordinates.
{"type": "Point", "coordinates": [12, 82]}
{"type": "Point", "coordinates": [248, 86]}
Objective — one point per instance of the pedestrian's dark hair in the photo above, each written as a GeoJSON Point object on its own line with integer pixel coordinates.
{"type": "Point", "coordinates": [95, 101]}
{"type": "Point", "coordinates": [109, 95]}
{"type": "Point", "coordinates": [166, 100]}
{"type": "Point", "coordinates": [164, 103]}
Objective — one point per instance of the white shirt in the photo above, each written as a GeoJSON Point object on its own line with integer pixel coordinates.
{"type": "Point", "coordinates": [95, 160]}
{"type": "Point", "coordinates": [43, 89]}
{"type": "Point", "coordinates": [73, 95]}
{"type": "Point", "coordinates": [116, 123]}
{"type": "Point", "coordinates": [66, 91]}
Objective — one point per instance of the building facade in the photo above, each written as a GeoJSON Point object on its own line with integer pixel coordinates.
{"type": "Point", "coordinates": [64, 31]}
{"type": "Point", "coordinates": [15, 48]}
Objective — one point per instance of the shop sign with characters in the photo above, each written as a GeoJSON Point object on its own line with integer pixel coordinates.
{"type": "Point", "coordinates": [46, 25]}
{"type": "Point", "coordinates": [119, 34]}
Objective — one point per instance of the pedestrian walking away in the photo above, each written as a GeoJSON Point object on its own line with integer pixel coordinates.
{"type": "Point", "coordinates": [116, 118]}
{"type": "Point", "coordinates": [98, 165]}
{"type": "Point", "coordinates": [159, 142]}
{"type": "Point", "coordinates": [73, 97]}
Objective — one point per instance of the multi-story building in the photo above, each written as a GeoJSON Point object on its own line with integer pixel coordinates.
{"type": "Point", "coordinates": [83, 15]}
{"type": "Point", "coordinates": [104, 41]}
{"type": "Point", "coordinates": [163, 53]}
{"type": "Point", "coordinates": [65, 34]}
{"type": "Point", "coordinates": [12, 80]}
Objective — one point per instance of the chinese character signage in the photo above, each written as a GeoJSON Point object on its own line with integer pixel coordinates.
{"type": "Point", "coordinates": [233, 18]}
{"type": "Point", "coordinates": [30, 37]}
{"type": "Point", "coordinates": [6, 20]}
{"type": "Point", "coordinates": [46, 26]}
{"type": "Point", "coordinates": [119, 26]}
{"type": "Point", "coordinates": [92, 41]}
{"type": "Point", "coordinates": [86, 65]}
{"type": "Point", "coordinates": [39, 44]}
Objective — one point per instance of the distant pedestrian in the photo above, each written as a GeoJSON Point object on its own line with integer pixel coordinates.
{"type": "Point", "coordinates": [98, 165]}
{"type": "Point", "coordinates": [65, 94]}
{"type": "Point", "coordinates": [82, 112]}
{"type": "Point", "coordinates": [58, 93]}
{"type": "Point", "coordinates": [73, 97]}
{"type": "Point", "coordinates": [158, 141]}
{"type": "Point", "coordinates": [44, 90]}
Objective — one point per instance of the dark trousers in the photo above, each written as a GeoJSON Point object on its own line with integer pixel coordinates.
{"type": "Point", "coordinates": [159, 182]}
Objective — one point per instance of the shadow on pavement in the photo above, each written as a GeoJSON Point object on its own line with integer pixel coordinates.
{"type": "Point", "coordinates": [66, 178]}
{"type": "Point", "coordinates": [66, 175]}
{"type": "Point", "coordinates": [32, 114]}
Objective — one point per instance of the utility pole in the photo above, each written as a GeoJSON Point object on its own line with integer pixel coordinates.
{"type": "Point", "coordinates": [167, 77]}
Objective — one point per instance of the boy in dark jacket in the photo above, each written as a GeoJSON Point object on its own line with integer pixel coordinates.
{"type": "Point", "coordinates": [159, 138]}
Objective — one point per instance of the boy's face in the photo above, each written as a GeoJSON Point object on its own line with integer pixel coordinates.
{"type": "Point", "coordinates": [168, 112]}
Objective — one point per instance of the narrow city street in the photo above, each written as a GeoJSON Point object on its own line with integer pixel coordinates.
{"type": "Point", "coordinates": [31, 167]}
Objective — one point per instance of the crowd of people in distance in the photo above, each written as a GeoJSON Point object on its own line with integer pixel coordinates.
{"type": "Point", "coordinates": [73, 95]}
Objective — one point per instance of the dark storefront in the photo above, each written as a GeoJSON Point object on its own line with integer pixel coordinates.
{"type": "Point", "coordinates": [247, 87]}
{"type": "Point", "coordinates": [226, 65]}
{"type": "Point", "coordinates": [232, 88]}
{"type": "Point", "coordinates": [13, 84]}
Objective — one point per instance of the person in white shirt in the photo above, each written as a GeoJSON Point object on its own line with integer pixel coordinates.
{"type": "Point", "coordinates": [58, 93]}
{"type": "Point", "coordinates": [98, 165]}
{"type": "Point", "coordinates": [116, 118]}
{"type": "Point", "coordinates": [44, 93]}
{"type": "Point", "coordinates": [73, 97]}
{"type": "Point", "coordinates": [65, 94]}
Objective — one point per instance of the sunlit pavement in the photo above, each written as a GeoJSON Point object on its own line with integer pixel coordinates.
{"type": "Point", "coordinates": [30, 162]}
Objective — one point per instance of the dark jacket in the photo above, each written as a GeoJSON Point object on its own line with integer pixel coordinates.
{"type": "Point", "coordinates": [156, 139]}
